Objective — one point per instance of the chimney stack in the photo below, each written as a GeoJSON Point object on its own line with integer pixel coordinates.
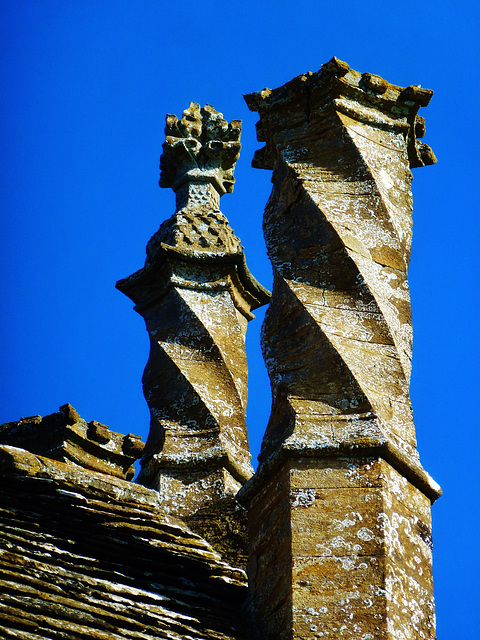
{"type": "Point", "coordinates": [339, 510]}
{"type": "Point", "coordinates": [196, 295]}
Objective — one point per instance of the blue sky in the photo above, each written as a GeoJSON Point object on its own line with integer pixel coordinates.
{"type": "Point", "coordinates": [85, 89]}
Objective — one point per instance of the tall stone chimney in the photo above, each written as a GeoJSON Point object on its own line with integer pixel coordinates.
{"type": "Point", "coordinates": [196, 295]}
{"type": "Point", "coordinates": [339, 510]}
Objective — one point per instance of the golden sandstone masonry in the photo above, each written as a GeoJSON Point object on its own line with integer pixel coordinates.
{"type": "Point", "coordinates": [339, 531]}
{"type": "Point", "coordinates": [339, 517]}
{"type": "Point", "coordinates": [196, 295]}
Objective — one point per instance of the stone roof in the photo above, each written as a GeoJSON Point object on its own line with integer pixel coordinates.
{"type": "Point", "coordinates": [85, 554]}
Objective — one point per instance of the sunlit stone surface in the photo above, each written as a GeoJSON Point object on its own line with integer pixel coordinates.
{"type": "Point", "coordinates": [339, 509]}
{"type": "Point", "coordinates": [196, 295]}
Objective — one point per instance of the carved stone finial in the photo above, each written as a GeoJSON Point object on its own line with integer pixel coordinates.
{"type": "Point", "coordinates": [201, 147]}
{"type": "Point", "coordinates": [196, 295]}
{"type": "Point", "coordinates": [198, 162]}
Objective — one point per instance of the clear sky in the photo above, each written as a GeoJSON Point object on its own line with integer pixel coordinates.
{"type": "Point", "coordinates": [85, 86]}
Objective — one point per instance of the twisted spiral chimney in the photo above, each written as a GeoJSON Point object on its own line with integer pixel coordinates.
{"type": "Point", "coordinates": [339, 510]}
{"type": "Point", "coordinates": [196, 295]}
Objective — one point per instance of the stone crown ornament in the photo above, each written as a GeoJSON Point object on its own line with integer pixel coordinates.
{"type": "Point", "coordinates": [202, 146]}
{"type": "Point", "coordinates": [198, 163]}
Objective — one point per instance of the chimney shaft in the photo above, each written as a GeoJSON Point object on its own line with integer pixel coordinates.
{"type": "Point", "coordinates": [339, 511]}
{"type": "Point", "coordinates": [196, 295]}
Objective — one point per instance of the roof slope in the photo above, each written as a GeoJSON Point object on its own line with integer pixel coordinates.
{"type": "Point", "coordinates": [86, 555]}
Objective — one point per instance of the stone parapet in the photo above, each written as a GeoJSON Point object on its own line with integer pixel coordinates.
{"type": "Point", "coordinates": [66, 437]}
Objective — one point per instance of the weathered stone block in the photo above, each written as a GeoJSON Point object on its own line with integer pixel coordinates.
{"type": "Point", "coordinates": [339, 543]}
{"type": "Point", "coordinates": [336, 522]}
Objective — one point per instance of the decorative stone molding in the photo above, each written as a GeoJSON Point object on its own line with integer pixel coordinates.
{"type": "Point", "coordinates": [66, 437]}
